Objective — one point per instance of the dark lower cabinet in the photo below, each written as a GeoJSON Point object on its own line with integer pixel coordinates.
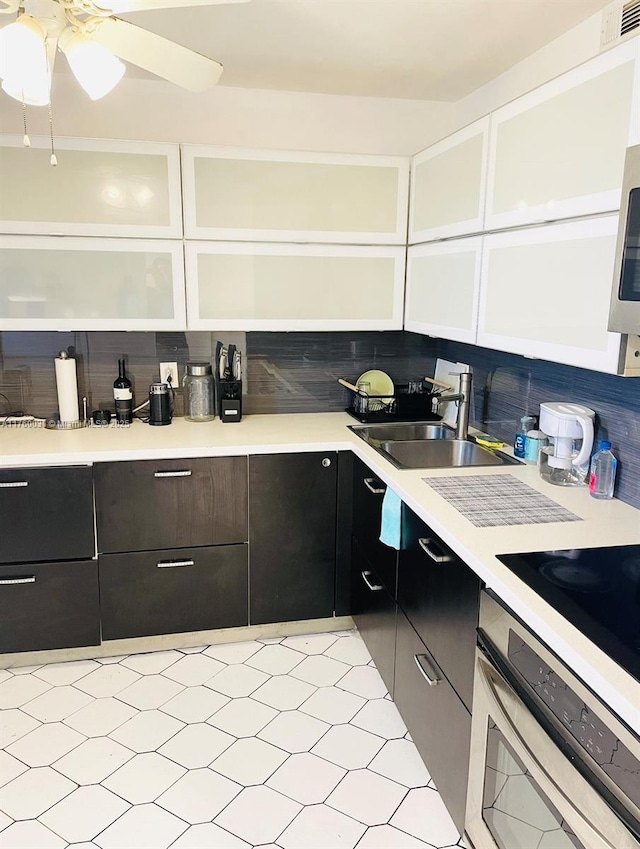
{"type": "Point", "coordinates": [368, 493]}
{"type": "Point", "coordinates": [438, 721]}
{"type": "Point", "coordinates": [163, 592]}
{"type": "Point", "coordinates": [292, 536]}
{"type": "Point", "coordinates": [49, 606]}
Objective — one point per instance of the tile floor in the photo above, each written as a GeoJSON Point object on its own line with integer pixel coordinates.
{"type": "Point", "coordinates": [290, 742]}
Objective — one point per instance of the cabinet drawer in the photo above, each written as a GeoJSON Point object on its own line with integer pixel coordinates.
{"type": "Point", "coordinates": [439, 723]}
{"type": "Point", "coordinates": [368, 492]}
{"type": "Point", "coordinates": [49, 606]}
{"type": "Point", "coordinates": [374, 612]}
{"type": "Point", "coordinates": [166, 592]}
{"type": "Point", "coordinates": [147, 505]}
{"type": "Point", "coordinates": [47, 514]}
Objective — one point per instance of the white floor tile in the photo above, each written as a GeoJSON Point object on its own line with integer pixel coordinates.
{"type": "Point", "coordinates": [101, 717]}
{"type": "Point", "coordinates": [310, 643]}
{"type": "Point", "coordinates": [249, 761]}
{"type": "Point", "coordinates": [150, 691]}
{"type": "Point", "coordinates": [423, 814]}
{"type": "Point", "coordinates": [320, 670]}
{"type": "Point", "coordinates": [10, 768]}
{"type": "Point", "coordinates": [234, 652]}
{"type": "Point", "coordinates": [144, 778]}
{"type": "Point", "coordinates": [388, 837]}
{"type": "Point", "coordinates": [348, 746]}
{"type": "Point", "coordinates": [24, 670]}
{"type": "Point", "coordinates": [194, 669]}
{"type": "Point", "coordinates": [306, 778]}
{"type": "Point", "coordinates": [199, 796]}
{"type": "Point", "coordinates": [29, 835]}
{"type": "Point", "coordinates": [195, 704]}
{"type": "Point", "coordinates": [86, 844]}
{"type": "Point", "coordinates": [258, 815]}
{"type": "Point", "coordinates": [270, 641]}
{"type": "Point", "coordinates": [142, 827]}
{"type": "Point", "coordinates": [237, 680]}
{"type": "Point", "coordinates": [275, 660]}
{"type": "Point", "coordinates": [196, 745]}
{"type": "Point", "coordinates": [367, 797]}
{"type": "Point", "coordinates": [351, 650]}
{"type": "Point", "coordinates": [107, 680]}
{"type": "Point", "coordinates": [33, 792]}
{"type": "Point", "coordinates": [57, 704]}
{"type": "Point", "coordinates": [5, 675]}
{"type": "Point", "coordinates": [84, 813]}
{"type": "Point", "coordinates": [14, 724]}
{"type": "Point", "coordinates": [352, 633]}
{"type": "Point", "coordinates": [114, 659]}
{"type": "Point", "coordinates": [147, 731]}
{"type": "Point", "coordinates": [93, 761]}
{"type": "Point", "coordinates": [5, 821]}
{"type": "Point", "coordinates": [152, 663]}
{"type": "Point", "coordinates": [400, 761]}
{"type": "Point", "coordinates": [284, 692]}
{"type": "Point", "coordinates": [192, 649]}
{"type": "Point", "coordinates": [20, 689]}
{"type": "Point", "coordinates": [320, 827]}
{"type": "Point", "coordinates": [364, 681]}
{"type": "Point", "coordinates": [381, 717]}
{"type": "Point", "coordinates": [294, 731]}
{"type": "Point", "coordinates": [59, 674]}
{"type": "Point", "coordinates": [44, 745]}
{"type": "Point", "coordinates": [243, 717]}
{"type": "Point", "coordinates": [333, 705]}
{"type": "Point", "coordinates": [208, 836]}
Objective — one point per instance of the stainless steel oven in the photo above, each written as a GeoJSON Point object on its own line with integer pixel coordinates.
{"type": "Point", "coordinates": [551, 766]}
{"type": "Point", "coordinates": [624, 313]}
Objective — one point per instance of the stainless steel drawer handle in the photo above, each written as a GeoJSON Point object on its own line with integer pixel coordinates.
{"type": "Point", "coordinates": [13, 484]}
{"type": "Point", "coordinates": [425, 545]}
{"type": "Point", "coordinates": [5, 582]}
{"type": "Point", "coordinates": [426, 669]}
{"type": "Point", "coordinates": [370, 483]}
{"type": "Point", "coordinates": [184, 473]}
{"type": "Point", "coordinates": [373, 587]}
{"type": "Point", "coordinates": [169, 564]}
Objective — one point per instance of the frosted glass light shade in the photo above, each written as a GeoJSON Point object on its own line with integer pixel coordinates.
{"type": "Point", "coordinates": [23, 62]}
{"type": "Point", "coordinates": [97, 70]}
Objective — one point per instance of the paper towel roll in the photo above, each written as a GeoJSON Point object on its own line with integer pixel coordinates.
{"type": "Point", "coordinates": [67, 386]}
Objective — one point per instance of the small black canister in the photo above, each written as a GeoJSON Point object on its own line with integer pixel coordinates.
{"type": "Point", "coordinates": [160, 406]}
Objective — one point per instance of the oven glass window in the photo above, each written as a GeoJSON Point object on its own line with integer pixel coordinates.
{"type": "Point", "coordinates": [630, 271]}
{"type": "Point", "coordinates": [515, 810]}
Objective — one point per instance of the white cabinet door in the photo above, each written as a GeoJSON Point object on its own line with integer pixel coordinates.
{"type": "Point", "coordinates": [443, 281]}
{"type": "Point", "coordinates": [249, 286]}
{"type": "Point", "coordinates": [288, 196]}
{"type": "Point", "coordinates": [448, 183]}
{"type": "Point", "coordinates": [545, 293]}
{"type": "Point", "coordinates": [558, 152]}
{"type": "Point", "coordinates": [99, 188]}
{"type": "Point", "coordinates": [51, 283]}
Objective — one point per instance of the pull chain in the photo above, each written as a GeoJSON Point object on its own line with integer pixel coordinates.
{"type": "Point", "coordinates": [26, 141]}
{"type": "Point", "coordinates": [54, 159]}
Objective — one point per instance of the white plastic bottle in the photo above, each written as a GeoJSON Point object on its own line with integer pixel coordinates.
{"type": "Point", "coordinates": [602, 475]}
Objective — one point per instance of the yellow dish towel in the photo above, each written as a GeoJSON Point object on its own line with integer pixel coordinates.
{"type": "Point", "coordinates": [391, 525]}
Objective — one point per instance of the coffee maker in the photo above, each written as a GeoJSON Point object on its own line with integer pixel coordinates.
{"type": "Point", "coordinates": [563, 462]}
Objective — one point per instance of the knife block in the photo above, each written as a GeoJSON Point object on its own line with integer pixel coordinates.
{"type": "Point", "coordinates": [230, 400]}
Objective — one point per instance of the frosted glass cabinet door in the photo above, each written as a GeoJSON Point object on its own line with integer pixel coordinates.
{"type": "Point", "coordinates": [443, 282]}
{"type": "Point", "coordinates": [448, 183]}
{"type": "Point", "coordinates": [49, 283]}
{"type": "Point", "coordinates": [249, 286]}
{"type": "Point", "coordinates": [99, 188]}
{"type": "Point", "coordinates": [558, 152]}
{"type": "Point", "coordinates": [288, 196]}
{"type": "Point", "coordinates": [545, 293]}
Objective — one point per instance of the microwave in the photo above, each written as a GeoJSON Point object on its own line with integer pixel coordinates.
{"type": "Point", "coordinates": [624, 314]}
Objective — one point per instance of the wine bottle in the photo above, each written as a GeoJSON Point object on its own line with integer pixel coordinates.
{"type": "Point", "coordinates": [123, 396]}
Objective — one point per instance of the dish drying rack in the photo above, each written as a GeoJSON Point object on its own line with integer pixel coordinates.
{"type": "Point", "coordinates": [402, 406]}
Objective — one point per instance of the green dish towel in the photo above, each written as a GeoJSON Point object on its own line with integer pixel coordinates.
{"type": "Point", "coordinates": [391, 525]}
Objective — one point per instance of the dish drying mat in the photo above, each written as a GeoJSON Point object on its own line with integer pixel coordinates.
{"type": "Point", "coordinates": [489, 501]}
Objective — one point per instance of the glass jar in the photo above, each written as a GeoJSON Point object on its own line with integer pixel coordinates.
{"type": "Point", "coordinates": [198, 393]}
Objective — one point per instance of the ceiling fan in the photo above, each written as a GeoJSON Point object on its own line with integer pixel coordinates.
{"type": "Point", "coordinates": [93, 41]}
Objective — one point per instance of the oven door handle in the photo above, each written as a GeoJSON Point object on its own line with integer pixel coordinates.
{"type": "Point", "coordinates": [497, 665]}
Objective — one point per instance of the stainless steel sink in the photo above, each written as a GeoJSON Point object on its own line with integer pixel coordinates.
{"type": "Point", "coordinates": [441, 454]}
{"type": "Point", "coordinates": [402, 431]}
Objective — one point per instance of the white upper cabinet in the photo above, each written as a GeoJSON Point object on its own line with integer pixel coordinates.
{"type": "Point", "coordinates": [448, 182]}
{"type": "Point", "coordinates": [51, 283]}
{"type": "Point", "coordinates": [545, 293]}
{"type": "Point", "coordinates": [558, 152]}
{"type": "Point", "coordinates": [443, 282]}
{"type": "Point", "coordinates": [99, 188]}
{"type": "Point", "coordinates": [285, 196]}
{"type": "Point", "coordinates": [250, 286]}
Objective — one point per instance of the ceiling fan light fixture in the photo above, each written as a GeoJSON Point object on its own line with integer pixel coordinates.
{"type": "Point", "coordinates": [94, 66]}
{"type": "Point", "coordinates": [24, 66]}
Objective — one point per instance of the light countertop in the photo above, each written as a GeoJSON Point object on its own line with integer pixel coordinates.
{"type": "Point", "coordinates": [604, 523]}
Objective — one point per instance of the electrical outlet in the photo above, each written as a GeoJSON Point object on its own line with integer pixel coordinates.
{"type": "Point", "coordinates": [169, 370]}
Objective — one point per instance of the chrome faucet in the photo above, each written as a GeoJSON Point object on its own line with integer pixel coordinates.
{"type": "Point", "coordinates": [463, 398]}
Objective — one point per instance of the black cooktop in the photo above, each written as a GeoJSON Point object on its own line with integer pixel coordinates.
{"type": "Point", "coordinates": [596, 589]}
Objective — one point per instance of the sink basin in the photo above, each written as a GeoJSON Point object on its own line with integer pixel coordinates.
{"type": "Point", "coordinates": [402, 431]}
{"type": "Point", "coordinates": [441, 454]}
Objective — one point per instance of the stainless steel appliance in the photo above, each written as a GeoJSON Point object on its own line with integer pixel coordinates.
{"type": "Point", "coordinates": [551, 766]}
{"type": "Point", "coordinates": [624, 314]}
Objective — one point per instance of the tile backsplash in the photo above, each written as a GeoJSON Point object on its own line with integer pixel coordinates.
{"type": "Point", "coordinates": [298, 372]}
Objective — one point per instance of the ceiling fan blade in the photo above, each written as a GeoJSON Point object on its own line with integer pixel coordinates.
{"type": "Point", "coordinates": [154, 53]}
{"type": "Point", "coordinates": [123, 7]}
